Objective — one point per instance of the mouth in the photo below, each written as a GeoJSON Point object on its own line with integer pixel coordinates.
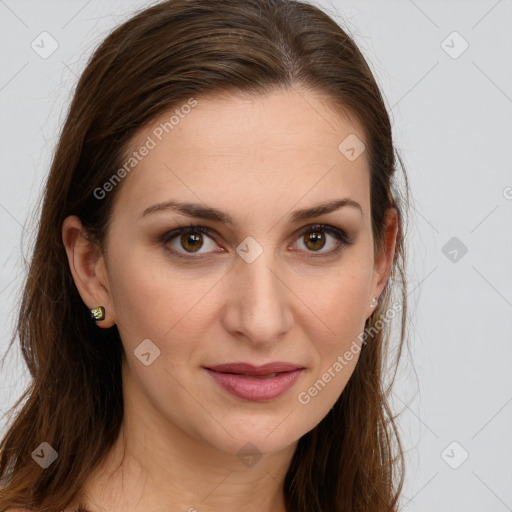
{"type": "Point", "coordinates": [257, 384]}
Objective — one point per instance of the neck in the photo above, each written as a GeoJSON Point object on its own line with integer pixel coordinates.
{"type": "Point", "coordinates": [155, 465]}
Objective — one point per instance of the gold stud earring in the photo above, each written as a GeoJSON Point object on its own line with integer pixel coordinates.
{"type": "Point", "coordinates": [98, 313]}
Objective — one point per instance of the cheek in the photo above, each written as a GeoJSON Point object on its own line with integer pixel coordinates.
{"type": "Point", "coordinates": [346, 319]}
{"type": "Point", "coordinates": [337, 353]}
{"type": "Point", "coordinates": [156, 301]}
{"type": "Point", "coordinates": [341, 302]}
{"type": "Point", "coordinates": [342, 307]}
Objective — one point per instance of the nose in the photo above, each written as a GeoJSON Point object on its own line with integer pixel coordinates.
{"type": "Point", "coordinates": [258, 308]}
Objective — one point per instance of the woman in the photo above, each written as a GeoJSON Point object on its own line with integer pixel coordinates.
{"type": "Point", "coordinates": [248, 376]}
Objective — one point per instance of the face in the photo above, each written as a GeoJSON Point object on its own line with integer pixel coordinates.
{"type": "Point", "coordinates": [255, 276]}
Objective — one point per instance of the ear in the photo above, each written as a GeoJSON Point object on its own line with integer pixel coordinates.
{"type": "Point", "coordinates": [87, 266]}
{"type": "Point", "coordinates": [384, 258]}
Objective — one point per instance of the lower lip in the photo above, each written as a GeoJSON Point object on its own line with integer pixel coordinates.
{"type": "Point", "coordinates": [254, 388]}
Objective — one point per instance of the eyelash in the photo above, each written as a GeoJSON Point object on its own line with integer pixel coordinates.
{"type": "Point", "coordinates": [344, 240]}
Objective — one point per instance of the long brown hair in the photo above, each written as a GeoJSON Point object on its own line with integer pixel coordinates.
{"type": "Point", "coordinates": [175, 50]}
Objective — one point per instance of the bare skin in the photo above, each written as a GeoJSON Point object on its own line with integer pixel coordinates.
{"type": "Point", "coordinates": [258, 159]}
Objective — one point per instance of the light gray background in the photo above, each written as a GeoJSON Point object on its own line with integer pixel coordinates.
{"type": "Point", "coordinates": [452, 120]}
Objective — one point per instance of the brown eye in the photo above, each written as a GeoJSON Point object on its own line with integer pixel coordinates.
{"type": "Point", "coordinates": [191, 241]}
{"type": "Point", "coordinates": [314, 240]}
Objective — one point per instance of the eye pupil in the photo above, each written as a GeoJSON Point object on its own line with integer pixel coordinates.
{"type": "Point", "coordinates": [192, 239]}
{"type": "Point", "coordinates": [315, 237]}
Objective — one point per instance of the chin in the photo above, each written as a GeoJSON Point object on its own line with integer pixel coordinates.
{"type": "Point", "coordinates": [258, 436]}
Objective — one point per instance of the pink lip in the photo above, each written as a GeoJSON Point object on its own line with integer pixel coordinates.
{"type": "Point", "coordinates": [249, 369]}
{"type": "Point", "coordinates": [252, 386]}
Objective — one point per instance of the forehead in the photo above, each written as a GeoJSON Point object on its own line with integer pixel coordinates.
{"type": "Point", "coordinates": [281, 145]}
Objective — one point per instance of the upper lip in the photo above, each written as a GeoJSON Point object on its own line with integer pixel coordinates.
{"type": "Point", "coordinates": [249, 369]}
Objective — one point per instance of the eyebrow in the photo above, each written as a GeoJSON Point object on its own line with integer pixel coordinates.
{"type": "Point", "coordinates": [213, 214]}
